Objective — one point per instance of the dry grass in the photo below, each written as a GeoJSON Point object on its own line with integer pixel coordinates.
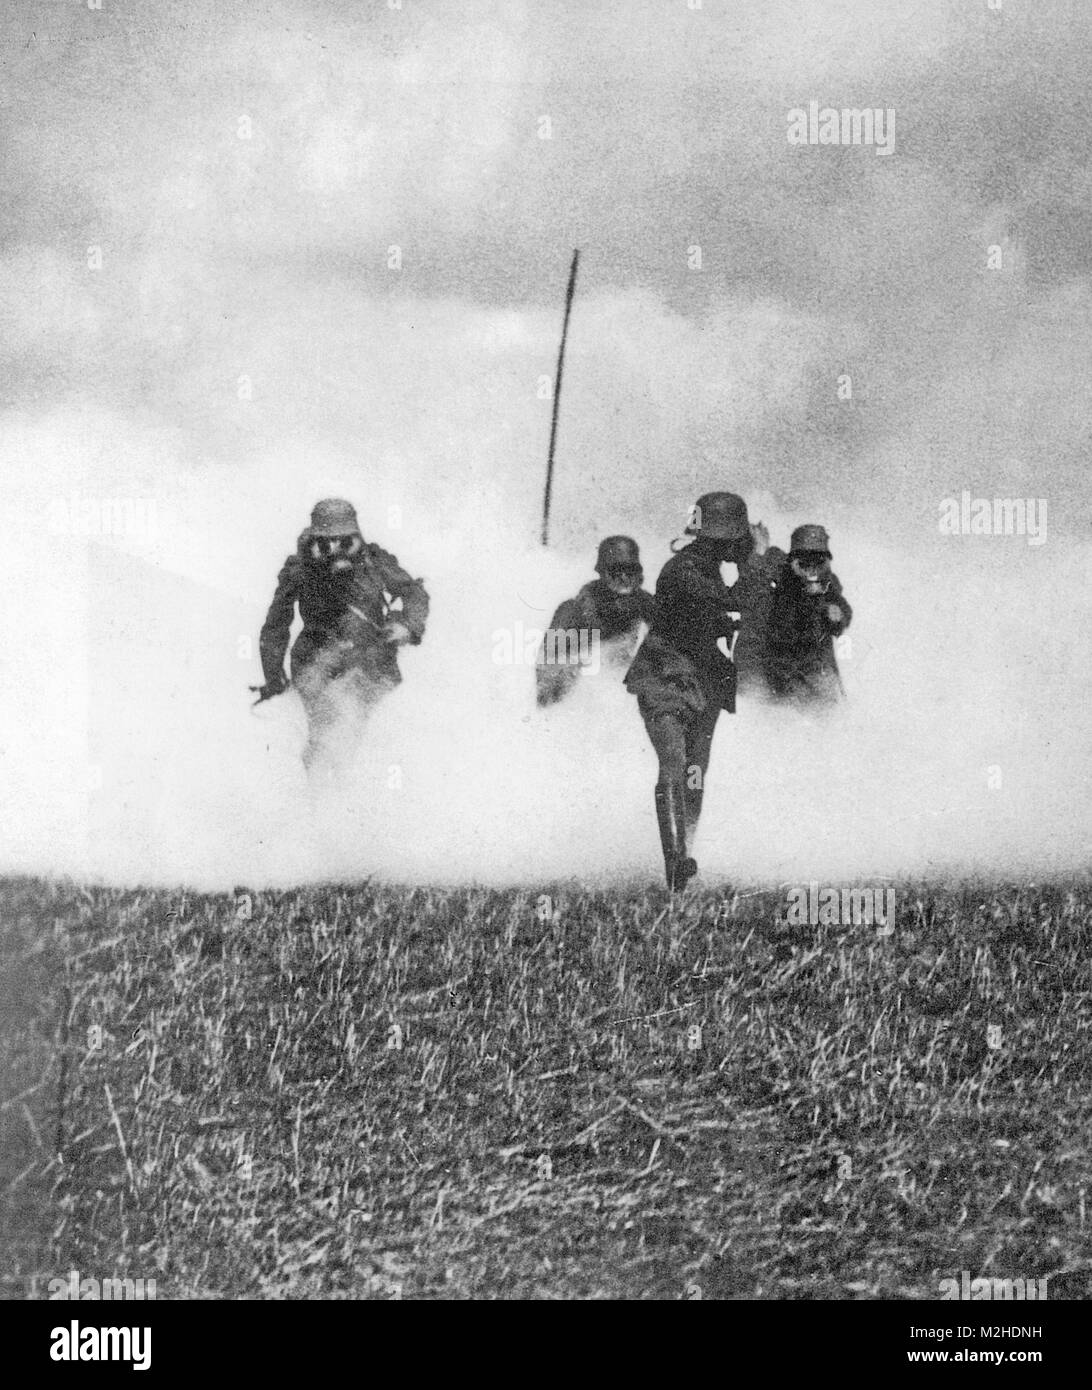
{"type": "Point", "coordinates": [547, 1127]}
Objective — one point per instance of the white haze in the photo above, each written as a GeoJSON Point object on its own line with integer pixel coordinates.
{"type": "Point", "coordinates": [245, 349]}
{"type": "Point", "coordinates": [130, 668]}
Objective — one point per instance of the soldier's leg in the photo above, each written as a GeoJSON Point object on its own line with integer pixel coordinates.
{"type": "Point", "coordinates": [321, 712]}
{"type": "Point", "coordinates": [668, 734]}
{"type": "Point", "coordinates": [359, 692]}
{"type": "Point", "coordinates": [699, 745]}
{"type": "Point", "coordinates": [315, 684]}
{"type": "Point", "coordinates": [340, 714]}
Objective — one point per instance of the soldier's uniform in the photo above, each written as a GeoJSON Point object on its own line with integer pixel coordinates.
{"type": "Point", "coordinates": [345, 589]}
{"type": "Point", "coordinates": [614, 606]}
{"type": "Point", "coordinates": [807, 613]}
{"type": "Point", "coordinates": [752, 596]}
{"type": "Point", "coordinates": [681, 677]}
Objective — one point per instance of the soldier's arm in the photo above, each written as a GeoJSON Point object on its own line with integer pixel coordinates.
{"type": "Point", "coordinates": [581, 613]}
{"type": "Point", "coordinates": [399, 584]}
{"type": "Point", "coordinates": [554, 678]}
{"type": "Point", "coordinates": [776, 557]}
{"type": "Point", "coordinates": [767, 564]}
{"type": "Point", "coordinates": [568, 614]}
{"type": "Point", "coordinates": [835, 596]}
{"type": "Point", "coordinates": [570, 617]}
{"type": "Point", "coordinates": [273, 642]}
{"type": "Point", "coordinates": [702, 603]}
{"type": "Point", "coordinates": [553, 682]}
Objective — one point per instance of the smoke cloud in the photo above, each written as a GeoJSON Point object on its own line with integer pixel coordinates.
{"type": "Point", "coordinates": [332, 249]}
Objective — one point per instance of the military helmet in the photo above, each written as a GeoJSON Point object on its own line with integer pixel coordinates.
{"type": "Point", "coordinates": [617, 551]}
{"type": "Point", "coordinates": [810, 538]}
{"type": "Point", "coordinates": [720, 516]}
{"type": "Point", "coordinates": [333, 516]}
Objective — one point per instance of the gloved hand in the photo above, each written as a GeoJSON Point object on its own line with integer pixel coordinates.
{"type": "Point", "coordinates": [277, 686]}
{"type": "Point", "coordinates": [834, 613]}
{"type": "Point", "coordinates": [396, 632]}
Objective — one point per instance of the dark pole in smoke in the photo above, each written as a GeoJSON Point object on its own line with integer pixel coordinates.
{"type": "Point", "coordinates": [557, 400]}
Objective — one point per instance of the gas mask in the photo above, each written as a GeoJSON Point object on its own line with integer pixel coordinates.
{"type": "Point", "coordinates": [623, 580]}
{"type": "Point", "coordinates": [335, 552]}
{"type": "Point", "coordinates": [812, 568]}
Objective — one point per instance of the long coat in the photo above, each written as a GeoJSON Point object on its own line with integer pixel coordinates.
{"type": "Point", "coordinates": [799, 658]}
{"type": "Point", "coordinates": [343, 615]}
{"type": "Point", "coordinates": [679, 669]}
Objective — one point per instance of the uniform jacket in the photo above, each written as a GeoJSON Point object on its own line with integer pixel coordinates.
{"type": "Point", "coordinates": [799, 656]}
{"type": "Point", "coordinates": [342, 613]}
{"type": "Point", "coordinates": [752, 595]}
{"type": "Point", "coordinates": [679, 668]}
{"type": "Point", "coordinates": [594, 609]}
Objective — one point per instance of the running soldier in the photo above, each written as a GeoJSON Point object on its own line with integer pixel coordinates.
{"type": "Point", "coordinates": [681, 677]}
{"type": "Point", "coordinates": [807, 613]}
{"type": "Point", "coordinates": [345, 659]}
{"type": "Point", "coordinates": [613, 606]}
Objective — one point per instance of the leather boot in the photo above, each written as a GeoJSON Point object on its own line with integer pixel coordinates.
{"type": "Point", "coordinates": [671, 815]}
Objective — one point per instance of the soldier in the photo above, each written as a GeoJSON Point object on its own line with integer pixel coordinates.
{"type": "Point", "coordinates": [807, 612]}
{"type": "Point", "coordinates": [614, 606]}
{"type": "Point", "coordinates": [752, 596]}
{"type": "Point", "coordinates": [680, 676]}
{"type": "Point", "coordinates": [345, 588]}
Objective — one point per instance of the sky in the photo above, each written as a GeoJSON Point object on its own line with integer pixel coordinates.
{"type": "Point", "coordinates": [250, 258]}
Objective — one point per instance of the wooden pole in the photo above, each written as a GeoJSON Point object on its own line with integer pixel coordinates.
{"type": "Point", "coordinates": [557, 401]}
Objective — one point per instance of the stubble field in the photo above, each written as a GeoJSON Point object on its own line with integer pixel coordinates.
{"type": "Point", "coordinates": [382, 1092]}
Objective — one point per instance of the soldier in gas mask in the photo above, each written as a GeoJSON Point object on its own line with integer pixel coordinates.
{"type": "Point", "coordinates": [609, 609]}
{"type": "Point", "coordinates": [681, 677]}
{"type": "Point", "coordinates": [346, 656]}
{"type": "Point", "coordinates": [808, 611]}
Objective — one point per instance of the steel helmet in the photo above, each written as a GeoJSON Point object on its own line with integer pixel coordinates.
{"type": "Point", "coordinates": [721, 516]}
{"type": "Point", "coordinates": [333, 516]}
{"type": "Point", "coordinates": [617, 550]}
{"type": "Point", "coordinates": [810, 538]}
